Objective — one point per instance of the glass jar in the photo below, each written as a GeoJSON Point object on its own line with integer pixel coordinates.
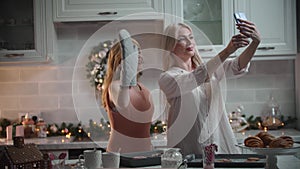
{"type": "Point", "coordinates": [208, 155]}
{"type": "Point", "coordinates": [272, 119]}
{"type": "Point", "coordinates": [80, 163]}
{"type": "Point", "coordinates": [171, 158]}
{"type": "Point", "coordinates": [41, 128]}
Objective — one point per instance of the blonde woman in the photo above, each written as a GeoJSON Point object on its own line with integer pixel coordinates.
{"type": "Point", "coordinates": [192, 87]}
{"type": "Point", "coordinates": [127, 101]}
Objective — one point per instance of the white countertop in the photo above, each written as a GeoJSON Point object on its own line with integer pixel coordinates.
{"type": "Point", "coordinates": [61, 142]}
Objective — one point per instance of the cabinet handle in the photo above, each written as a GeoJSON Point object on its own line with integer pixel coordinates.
{"type": "Point", "coordinates": [107, 13]}
{"type": "Point", "coordinates": [205, 50]}
{"type": "Point", "coordinates": [11, 55]}
{"type": "Point", "coordinates": [266, 48]}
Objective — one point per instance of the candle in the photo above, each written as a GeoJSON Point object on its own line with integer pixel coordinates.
{"type": "Point", "coordinates": [68, 135]}
{"type": "Point", "coordinates": [259, 125]}
{"type": "Point", "coordinates": [9, 132]}
{"type": "Point", "coordinates": [20, 130]}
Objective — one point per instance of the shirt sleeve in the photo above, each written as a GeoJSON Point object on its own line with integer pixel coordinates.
{"type": "Point", "coordinates": [176, 82]}
{"type": "Point", "coordinates": [231, 69]}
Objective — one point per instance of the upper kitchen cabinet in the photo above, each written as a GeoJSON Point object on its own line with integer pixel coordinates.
{"type": "Point", "coordinates": [276, 21]}
{"type": "Point", "coordinates": [102, 10]}
{"type": "Point", "coordinates": [23, 31]}
{"type": "Point", "coordinates": [211, 21]}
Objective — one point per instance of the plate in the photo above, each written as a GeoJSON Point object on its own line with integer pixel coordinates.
{"type": "Point", "coordinates": [231, 161]}
{"type": "Point", "coordinates": [273, 151]}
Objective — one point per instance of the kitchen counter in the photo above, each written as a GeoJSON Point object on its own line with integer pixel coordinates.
{"type": "Point", "coordinates": [284, 162]}
{"type": "Point", "coordinates": [61, 142]}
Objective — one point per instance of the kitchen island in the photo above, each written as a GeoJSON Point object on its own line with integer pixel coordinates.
{"type": "Point", "coordinates": [73, 149]}
{"type": "Point", "coordinates": [284, 162]}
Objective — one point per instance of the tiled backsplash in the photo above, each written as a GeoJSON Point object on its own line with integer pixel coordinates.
{"type": "Point", "coordinates": [265, 78]}
{"type": "Point", "coordinates": [61, 88]}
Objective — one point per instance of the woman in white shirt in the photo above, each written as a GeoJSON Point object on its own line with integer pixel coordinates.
{"type": "Point", "coordinates": [192, 87]}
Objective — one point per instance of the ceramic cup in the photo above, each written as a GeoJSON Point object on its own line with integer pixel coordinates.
{"type": "Point", "coordinates": [92, 159]}
{"type": "Point", "coordinates": [111, 160]}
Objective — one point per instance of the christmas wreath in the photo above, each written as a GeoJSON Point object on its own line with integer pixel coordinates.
{"type": "Point", "coordinates": [96, 66]}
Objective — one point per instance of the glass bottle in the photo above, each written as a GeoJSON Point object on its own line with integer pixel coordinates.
{"type": "Point", "coordinates": [172, 158]}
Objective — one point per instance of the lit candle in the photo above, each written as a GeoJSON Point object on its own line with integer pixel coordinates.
{"type": "Point", "coordinates": [259, 125]}
{"type": "Point", "coordinates": [265, 129]}
{"type": "Point", "coordinates": [164, 128]}
{"type": "Point", "coordinates": [89, 134]}
{"type": "Point", "coordinates": [68, 135]}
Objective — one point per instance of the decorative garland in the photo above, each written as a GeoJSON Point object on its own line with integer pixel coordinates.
{"type": "Point", "coordinates": [96, 66]}
{"type": "Point", "coordinates": [101, 130]}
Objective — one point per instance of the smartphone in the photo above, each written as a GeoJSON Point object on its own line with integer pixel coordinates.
{"type": "Point", "coordinates": [239, 15]}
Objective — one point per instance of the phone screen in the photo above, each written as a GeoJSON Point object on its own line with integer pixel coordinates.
{"type": "Point", "coordinates": [239, 15]}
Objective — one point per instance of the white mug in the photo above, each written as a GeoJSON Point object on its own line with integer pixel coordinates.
{"type": "Point", "coordinates": [92, 159]}
{"type": "Point", "coordinates": [110, 160]}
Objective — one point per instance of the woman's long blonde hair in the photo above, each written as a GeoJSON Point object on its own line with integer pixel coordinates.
{"type": "Point", "coordinates": [169, 41]}
{"type": "Point", "coordinates": [113, 62]}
